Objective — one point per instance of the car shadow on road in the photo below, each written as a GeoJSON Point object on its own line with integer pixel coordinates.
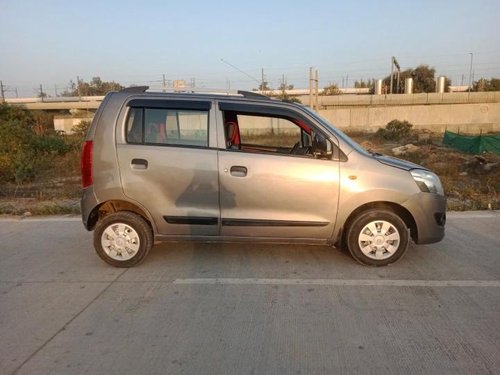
{"type": "Point", "coordinates": [248, 260]}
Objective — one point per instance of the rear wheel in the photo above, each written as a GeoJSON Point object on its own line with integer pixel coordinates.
{"type": "Point", "coordinates": [123, 239]}
{"type": "Point", "coordinates": [377, 237]}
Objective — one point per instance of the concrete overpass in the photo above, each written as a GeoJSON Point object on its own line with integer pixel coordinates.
{"type": "Point", "coordinates": [464, 112]}
{"type": "Point", "coordinates": [59, 103]}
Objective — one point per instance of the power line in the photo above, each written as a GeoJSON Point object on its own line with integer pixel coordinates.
{"type": "Point", "coordinates": [239, 70]}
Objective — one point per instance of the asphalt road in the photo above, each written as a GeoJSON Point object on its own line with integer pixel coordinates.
{"type": "Point", "coordinates": [248, 309]}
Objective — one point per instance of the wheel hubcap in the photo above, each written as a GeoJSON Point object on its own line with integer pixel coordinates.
{"type": "Point", "coordinates": [379, 240]}
{"type": "Point", "coordinates": [120, 241]}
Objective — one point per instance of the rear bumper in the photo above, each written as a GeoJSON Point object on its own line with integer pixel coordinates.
{"type": "Point", "coordinates": [87, 205]}
{"type": "Point", "coordinates": [429, 212]}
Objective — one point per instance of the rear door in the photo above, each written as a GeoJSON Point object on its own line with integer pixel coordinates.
{"type": "Point", "coordinates": [271, 184]}
{"type": "Point", "coordinates": [167, 165]}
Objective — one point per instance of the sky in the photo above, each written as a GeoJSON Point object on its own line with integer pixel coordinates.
{"type": "Point", "coordinates": [223, 44]}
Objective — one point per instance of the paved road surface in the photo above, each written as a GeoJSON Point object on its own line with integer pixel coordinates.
{"type": "Point", "coordinates": [248, 309]}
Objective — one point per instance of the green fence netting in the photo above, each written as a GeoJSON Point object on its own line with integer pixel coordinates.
{"type": "Point", "coordinates": [473, 144]}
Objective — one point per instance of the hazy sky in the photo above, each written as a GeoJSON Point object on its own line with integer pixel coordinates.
{"type": "Point", "coordinates": [136, 42]}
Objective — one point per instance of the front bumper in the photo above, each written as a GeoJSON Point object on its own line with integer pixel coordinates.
{"type": "Point", "coordinates": [429, 212]}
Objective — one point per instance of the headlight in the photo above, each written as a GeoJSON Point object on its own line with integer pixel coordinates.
{"type": "Point", "coordinates": [427, 181]}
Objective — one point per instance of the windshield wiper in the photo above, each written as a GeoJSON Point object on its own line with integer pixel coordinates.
{"type": "Point", "coordinates": [374, 153]}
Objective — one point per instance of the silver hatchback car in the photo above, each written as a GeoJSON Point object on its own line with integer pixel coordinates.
{"type": "Point", "coordinates": [214, 167]}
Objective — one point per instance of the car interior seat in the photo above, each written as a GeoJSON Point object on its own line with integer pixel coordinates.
{"type": "Point", "coordinates": [231, 135]}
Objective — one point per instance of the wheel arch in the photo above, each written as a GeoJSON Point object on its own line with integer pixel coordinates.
{"type": "Point", "coordinates": [105, 208]}
{"type": "Point", "coordinates": [399, 210]}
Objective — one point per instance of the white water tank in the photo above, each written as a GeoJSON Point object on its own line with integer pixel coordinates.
{"type": "Point", "coordinates": [378, 87]}
{"type": "Point", "coordinates": [440, 84]}
{"type": "Point", "coordinates": [409, 85]}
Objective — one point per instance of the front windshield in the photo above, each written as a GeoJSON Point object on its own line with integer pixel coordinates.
{"type": "Point", "coordinates": [336, 131]}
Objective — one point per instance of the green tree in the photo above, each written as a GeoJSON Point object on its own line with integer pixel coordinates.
{"type": "Point", "coordinates": [423, 80]}
{"type": "Point", "coordinates": [285, 86]}
{"type": "Point", "coordinates": [42, 95]}
{"type": "Point", "coordinates": [361, 84]}
{"type": "Point", "coordinates": [483, 84]}
{"type": "Point", "coordinates": [264, 86]}
{"type": "Point", "coordinates": [96, 87]}
{"type": "Point", "coordinates": [331, 89]}
{"type": "Point", "coordinates": [285, 96]}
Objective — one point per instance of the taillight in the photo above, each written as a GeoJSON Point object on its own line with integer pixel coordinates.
{"type": "Point", "coordinates": [86, 164]}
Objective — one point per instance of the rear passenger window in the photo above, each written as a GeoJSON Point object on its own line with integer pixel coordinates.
{"type": "Point", "coordinates": [158, 126]}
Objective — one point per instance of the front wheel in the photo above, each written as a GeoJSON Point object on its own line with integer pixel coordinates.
{"type": "Point", "coordinates": [123, 239]}
{"type": "Point", "coordinates": [377, 237]}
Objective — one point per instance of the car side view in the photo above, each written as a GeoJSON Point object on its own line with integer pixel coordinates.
{"type": "Point", "coordinates": [244, 167]}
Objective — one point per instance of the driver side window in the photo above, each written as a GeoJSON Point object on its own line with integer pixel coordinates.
{"type": "Point", "coordinates": [266, 134]}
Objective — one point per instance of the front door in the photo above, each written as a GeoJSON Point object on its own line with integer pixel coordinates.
{"type": "Point", "coordinates": [271, 184]}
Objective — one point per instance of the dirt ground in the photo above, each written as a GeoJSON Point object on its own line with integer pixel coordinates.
{"type": "Point", "coordinates": [471, 182]}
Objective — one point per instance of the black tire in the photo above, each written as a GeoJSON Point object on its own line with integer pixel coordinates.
{"type": "Point", "coordinates": [137, 232]}
{"type": "Point", "coordinates": [382, 241]}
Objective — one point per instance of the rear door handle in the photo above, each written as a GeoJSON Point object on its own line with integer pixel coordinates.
{"type": "Point", "coordinates": [238, 171]}
{"type": "Point", "coordinates": [139, 164]}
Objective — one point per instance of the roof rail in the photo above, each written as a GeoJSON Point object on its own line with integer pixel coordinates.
{"type": "Point", "coordinates": [135, 89]}
{"type": "Point", "coordinates": [253, 95]}
{"type": "Point", "coordinates": [245, 94]}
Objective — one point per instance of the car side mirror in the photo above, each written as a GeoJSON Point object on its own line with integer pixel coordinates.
{"type": "Point", "coordinates": [322, 148]}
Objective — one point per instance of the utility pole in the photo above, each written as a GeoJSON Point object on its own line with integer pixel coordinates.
{"type": "Point", "coordinates": [392, 74]}
{"type": "Point", "coordinates": [397, 84]}
{"type": "Point", "coordinates": [164, 83]}
{"type": "Point", "coordinates": [470, 71]}
{"type": "Point", "coordinates": [262, 81]}
{"type": "Point", "coordinates": [317, 81]}
{"type": "Point", "coordinates": [78, 87]}
{"type": "Point", "coordinates": [394, 63]}
{"type": "Point", "coordinates": [2, 91]}
{"type": "Point", "coordinates": [347, 80]}
{"type": "Point", "coordinates": [17, 95]}
{"type": "Point", "coordinates": [311, 87]}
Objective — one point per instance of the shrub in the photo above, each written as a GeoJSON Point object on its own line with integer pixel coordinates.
{"type": "Point", "coordinates": [51, 144]}
{"type": "Point", "coordinates": [9, 113]}
{"type": "Point", "coordinates": [75, 140]}
{"type": "Point", "coordinates": [24, 166]}
{"type": "Point", "coordinates": [395, 131]}
{"type": "Point", "coordinates": [80, 130]}
{"type": "Point", "coordinates": [16, 137]}
{"type": "Point", "coordinates": [43, 122]}
{"type": "Point", "coordinates": [23, 153]}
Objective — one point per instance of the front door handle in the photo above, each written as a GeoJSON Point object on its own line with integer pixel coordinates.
{"type": "Point", "coordinates": [238, 171]}
{"type": "Point", "coordinates": [139, 164]}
